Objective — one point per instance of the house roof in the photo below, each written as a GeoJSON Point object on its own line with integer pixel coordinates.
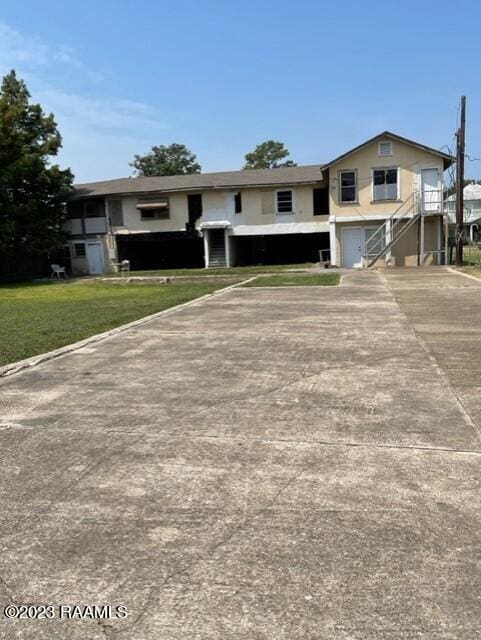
{"type": "Point", "coordinates": [306, 174]}
{"type": "Point", "coordinates": [470, 192]}
{"type": "Point", "coordinates": [448, 159]}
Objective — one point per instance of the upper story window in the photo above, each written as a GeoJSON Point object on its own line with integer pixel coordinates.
{"type": "Point", "coordinates": [115, 212]}
{"type": "Point", "coordinates": [75, 209]}
{"type": "Point", "coordinates": [385, 184]}
{"type": "Point", "coordinates": [238, 202]}
{"type": "Point", "coordinates": [384, 149]}
{"type": "Point", "coordinates": [94, 208]}
{"type": "Point", "coordinates": [320, 202]}
{"type": "Point", "coordinates": [194, 207]}
{"type": "Point", "coordinates": [156, 208]}
{"type": "Point", "coordinates": [284, 202]}
{"type": "Point", "coordinates": [348, 186]}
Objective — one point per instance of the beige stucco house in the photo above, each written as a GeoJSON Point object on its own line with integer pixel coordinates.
{"type": "Point", "coordinates": [379, 203]}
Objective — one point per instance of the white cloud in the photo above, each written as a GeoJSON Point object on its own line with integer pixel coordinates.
{"type": "Point", "coordinates": [21, 50]}
{"type": "Point", "coordinates": [96, 113]}
{"type": "Point", "coordinates": [100, 134]}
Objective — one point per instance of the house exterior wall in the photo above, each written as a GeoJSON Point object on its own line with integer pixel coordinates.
{"type": "Point", "coordinates": [258, 208]}
{"type": "Point", "coordinates": [410, 161]}
{"type": "Point", "coordinates": [405, 252]}
{"type": "Point", "coordinates": [133, 221]}
{"type": "Point", "coordinates": [80, 266]}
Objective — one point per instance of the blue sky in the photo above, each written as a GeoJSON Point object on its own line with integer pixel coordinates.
{"type": "Point", "coordinates": [220, 77]}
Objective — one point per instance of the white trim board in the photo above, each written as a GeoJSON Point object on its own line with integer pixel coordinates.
{"type": "Point", "coordinates": [279, 228]}
{"type": "Point", "coordinates": [367, 219]}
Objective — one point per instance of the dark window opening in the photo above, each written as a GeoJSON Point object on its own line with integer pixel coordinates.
{"type": "Point", "coordinates": [238, 202]}
{"type": "Point", "coordinates": [284, 202]}
{"type": "Point", "coordinates": [115, 213]}
{"type": "Point", "coordinates": [79, 249]}
{"type": "Point", "coordinates": [154, 208]}
{"type": "Point", "coordinates": [75, 209]}
{"type": "Point", "coordinates": [94, 208]}
{"type": "Point", "coordinates": [154, 214]}
{"type": "Point", "coordinates": [320, 202]}
{"type": "Point", "coordinates": [194, 208]}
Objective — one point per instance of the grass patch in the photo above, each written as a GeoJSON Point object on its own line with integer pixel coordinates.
{"type": "Point", "coordinates": [472, 271]}
{"type": "Point", "coordinates": [36, 318]}
{"type": "Point", "coordinates": [471, 256]}
{"type": "Point", "coordinates": [295, 280]}
{"type": "Point", "coordinates": [220, 271]}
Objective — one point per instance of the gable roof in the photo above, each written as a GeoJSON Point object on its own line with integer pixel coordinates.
{"type": "Point", "coordinates": [306, 174]}
{"type": "Point", "coordinates": [447, 159]}
{"type": "Point", "coordinates": [470, 192]}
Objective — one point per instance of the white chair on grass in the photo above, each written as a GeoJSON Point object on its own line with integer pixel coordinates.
{"type": "Point", "coordinates": [58, 271]}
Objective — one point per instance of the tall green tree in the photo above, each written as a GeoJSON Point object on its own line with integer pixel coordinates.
{"type": "Point", "coordinates": [166, 160]}
{"type": "Point", "coordinates": [270, 154]}
{"type": "Point", "coordinates": [32, 190]}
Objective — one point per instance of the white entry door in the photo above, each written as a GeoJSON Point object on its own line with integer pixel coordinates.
{"type": "Point", "coordinates": [352, 247]}
{"type": "Point", "coordinates": [95, 258]}
{"type": "Point", "coordinates": [430, 190]}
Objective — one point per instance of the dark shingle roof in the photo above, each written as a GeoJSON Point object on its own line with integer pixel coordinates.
{"type": "Point", "coordinates": [223, 180]}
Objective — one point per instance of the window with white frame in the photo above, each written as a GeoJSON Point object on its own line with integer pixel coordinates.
{"type": "Point", "coordinates": [347, 186]}
{"type": "Point", "coordinates": [385, 184]}
{"type": "Point", "coordinates": [384, 149]}
{"type": "Point", "coordinates": [284, 202]}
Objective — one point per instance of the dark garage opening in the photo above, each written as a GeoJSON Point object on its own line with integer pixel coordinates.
{"type": "Point", "coordinates": [161, 250]}
{"type": "Point", "coordinates": [279, 249]}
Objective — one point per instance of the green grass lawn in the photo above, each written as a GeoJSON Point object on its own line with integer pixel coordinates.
{"type": "Point", "coordinates": [35, 318]}
{"type": "Point", "coordinates": [220, 271]}
{"type": "Point", "coordinates": [295, 280]}
{"type": "Point", "coordinates": [471, 255]}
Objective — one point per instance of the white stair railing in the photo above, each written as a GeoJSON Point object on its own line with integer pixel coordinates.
{"type": "Point", "coordinates": [423, 204]}
{"type": "Point", "coordinates": [376, 244]}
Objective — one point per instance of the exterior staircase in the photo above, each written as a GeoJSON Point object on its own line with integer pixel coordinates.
{"type": "Point", "coordinates": [399, 224]}
{"type": "Point", "coordinates": [217, 257]}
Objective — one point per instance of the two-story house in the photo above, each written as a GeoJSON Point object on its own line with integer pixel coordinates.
{"type": "Point", "coordinates": [379, 203]}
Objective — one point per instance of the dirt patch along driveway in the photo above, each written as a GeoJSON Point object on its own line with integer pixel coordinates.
{"type": "Point", "coordinates": [290, 463]}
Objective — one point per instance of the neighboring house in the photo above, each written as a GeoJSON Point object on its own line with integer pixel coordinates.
{"type": "Point", "coordinates": [472, 211]}
{"type": "Point", "coordinates": [380, 203]}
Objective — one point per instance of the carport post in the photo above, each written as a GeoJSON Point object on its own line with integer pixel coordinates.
{"type": "Point", "coordinates": [422, 239]}
{"type": "Point", "coordinates": [205, 233]}
{"type": "Point", "coordinates": [227, 248]}
{"type": "Point", "coordinates": [332, 241]}
{"type": "Point", "coordinates": [388, 239]}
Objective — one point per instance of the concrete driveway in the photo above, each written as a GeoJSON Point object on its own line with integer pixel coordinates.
{"type": "Point", "coordinates": [282, 464]}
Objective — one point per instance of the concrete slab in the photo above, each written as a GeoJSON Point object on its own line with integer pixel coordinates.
{"type": "Point", "coordinates": [288, 464]}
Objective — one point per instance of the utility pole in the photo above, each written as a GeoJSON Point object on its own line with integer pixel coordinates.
{"type": "Point", "coordinates": [460, 148]}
